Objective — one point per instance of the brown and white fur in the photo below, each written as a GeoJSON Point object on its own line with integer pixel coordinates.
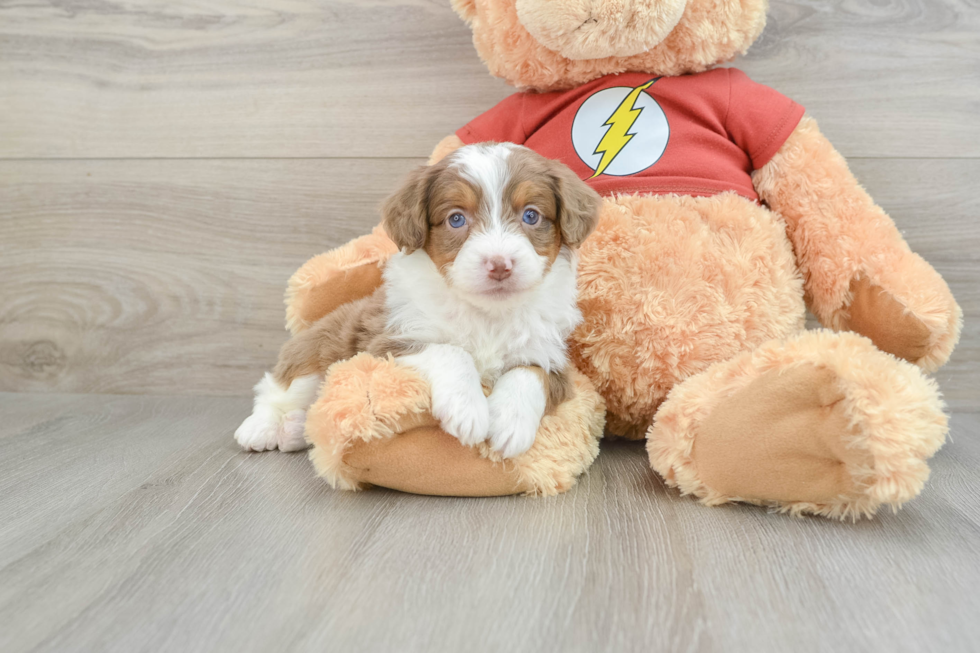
{"type": "Point", "coordinates": [481, 294]}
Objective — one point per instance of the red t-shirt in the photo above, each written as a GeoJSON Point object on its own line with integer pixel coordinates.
{"type": "Point", "coordinates": [699, 134]}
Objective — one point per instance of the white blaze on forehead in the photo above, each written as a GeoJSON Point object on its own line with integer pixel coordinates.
{"type": "Point", "coordinates": [485, 166]}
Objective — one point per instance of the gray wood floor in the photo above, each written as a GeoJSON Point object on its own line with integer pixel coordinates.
{"type": "Point", "coordinates": [133, 523]}
{"type": "Point", "coordinates": [164, 167]}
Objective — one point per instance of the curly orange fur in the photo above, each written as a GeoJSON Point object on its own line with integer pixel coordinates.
{"type": "Point", "coordinates": [687, 299]}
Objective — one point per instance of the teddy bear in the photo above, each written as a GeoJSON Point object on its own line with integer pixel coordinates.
{"type": "Point", "coordinates": [726, 214]}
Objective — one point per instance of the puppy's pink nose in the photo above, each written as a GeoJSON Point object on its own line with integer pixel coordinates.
{"type": "Point", "coordinates": [498, 267]}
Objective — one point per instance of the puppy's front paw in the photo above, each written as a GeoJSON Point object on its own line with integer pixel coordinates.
{"type": "Point", "coordinates": [259, 431]}
{"type": "Point", "coordinates": [511, 432]}
{"type": "Point", "coordinates": [517, 405]}
{"type": "Point", "coordinates": [463, 413]}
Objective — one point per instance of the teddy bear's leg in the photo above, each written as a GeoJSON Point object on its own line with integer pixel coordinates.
{"type": "Point", "coordinates": [427, 460]}
{"type": "Point", "coordinates": [859, 273]}
{"type": "Point", "coordinates": [337, 277]}
{"type": "Point", "coordinates": [372, 425]}
{"type": "Point", "coordinates": [819, 423]}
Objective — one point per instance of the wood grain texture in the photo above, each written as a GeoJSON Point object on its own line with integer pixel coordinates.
{"type": "Point", "coordinates": [164, 276]}
{"type": "Point", "coordinates": [167, 276]}
{"type": "Point", "coordinates": [389, 78]}
{"type": "Point", "coordinates": [135, 524]}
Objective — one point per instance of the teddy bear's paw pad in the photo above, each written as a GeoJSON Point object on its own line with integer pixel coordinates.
{"type": "Point", "coordinates": [259, 431]}
{"type": "Point", "coordinates": [784, 437]}
{"type": "Point", "coordinates": [877, 314]}
{"type": "Point", "coordinates": [291, 432]}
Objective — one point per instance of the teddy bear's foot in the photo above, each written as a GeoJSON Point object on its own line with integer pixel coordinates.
{"type": "Point", "coordinates": [822, 423]}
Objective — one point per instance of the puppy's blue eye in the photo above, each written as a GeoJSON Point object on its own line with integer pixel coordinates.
{"type": "Point", "coordinates": [531, 216]}
{"type": "Point", "coordinates": [457, 220]}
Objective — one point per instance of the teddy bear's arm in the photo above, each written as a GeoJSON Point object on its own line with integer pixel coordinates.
{"type": "Point", "coordinates": [346, 273]}
{"type": "Point", "coordinates": [859, 273]}
{"type": "Point", "coordinates": [335, 278]}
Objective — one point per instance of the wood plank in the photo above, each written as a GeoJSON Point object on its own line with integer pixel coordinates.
{"type": "Point", "coordinates": [167, 277]}
{"type": "Point", "coordinates": [931, 201]}
{"type": "Point", "coordinates": [882, 79]}
{"type": "Point", "coordinates": [389, 78]}
{"type": "Point", "coordinates": [135, 524]}
{"type": "Point", "coordinates": [164, 276]}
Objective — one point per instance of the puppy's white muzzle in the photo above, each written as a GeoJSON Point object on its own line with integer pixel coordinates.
{"type": "Point", "coordinates": [496, 264]}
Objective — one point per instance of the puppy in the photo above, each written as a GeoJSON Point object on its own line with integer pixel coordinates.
{"type": "Point", "coordinates": [481, 294]}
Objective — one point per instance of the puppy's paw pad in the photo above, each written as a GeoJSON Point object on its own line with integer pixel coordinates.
{"type": "Point", "coordinates": [259, 432]}
{"type": "Point", "coordinates": [292, 431]}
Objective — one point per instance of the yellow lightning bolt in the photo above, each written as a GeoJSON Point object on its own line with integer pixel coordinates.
{"type": "Point", "coordinates": [619, 123]}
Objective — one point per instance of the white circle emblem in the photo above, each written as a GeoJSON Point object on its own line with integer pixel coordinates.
{"type": "Point", "coordinates": [620, 131]}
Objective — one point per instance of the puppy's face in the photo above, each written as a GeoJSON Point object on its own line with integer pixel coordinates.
{"type": "Point", "coordinates": [492, 217]}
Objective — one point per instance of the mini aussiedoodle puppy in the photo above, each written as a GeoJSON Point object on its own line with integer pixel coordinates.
{"type": "Point", "coordinates": [482, 294]}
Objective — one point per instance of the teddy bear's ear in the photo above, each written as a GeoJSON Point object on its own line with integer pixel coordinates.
{"type": "Point", "coordinates": [465, 8]}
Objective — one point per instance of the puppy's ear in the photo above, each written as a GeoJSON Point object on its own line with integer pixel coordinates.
{"type": "Point", "coordinates": [578, 205]}
{"type": "Point", "coordinates": [405, 215]}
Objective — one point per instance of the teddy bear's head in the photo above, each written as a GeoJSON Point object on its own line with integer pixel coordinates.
{"type": "Point", "coordinates": [558, 44]}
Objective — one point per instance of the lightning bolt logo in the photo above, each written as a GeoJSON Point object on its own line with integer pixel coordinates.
{"type": "Point", "coordinates": [619, 123]}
